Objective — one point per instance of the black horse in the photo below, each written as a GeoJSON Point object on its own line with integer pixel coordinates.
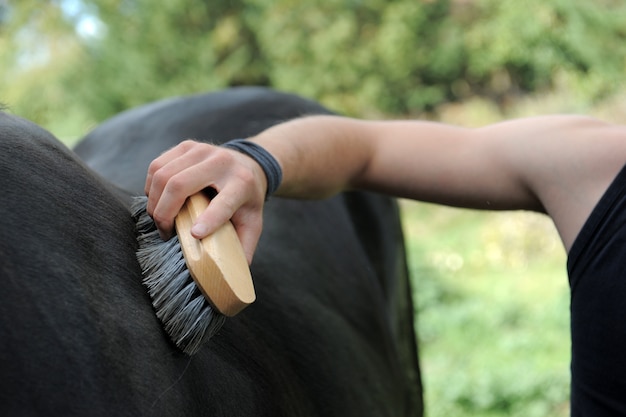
{"type": "Point", "coordinates": [331, 332]}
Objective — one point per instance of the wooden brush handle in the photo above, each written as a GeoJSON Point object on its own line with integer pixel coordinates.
{"type": "Point", "coordinates": [217, 263]}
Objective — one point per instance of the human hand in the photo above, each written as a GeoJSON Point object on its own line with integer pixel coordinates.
{"type": "Point", "coordinates": [191, 167]}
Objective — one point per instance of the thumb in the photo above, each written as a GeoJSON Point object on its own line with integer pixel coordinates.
{"type": "Point", "coordinates": [216, 214]}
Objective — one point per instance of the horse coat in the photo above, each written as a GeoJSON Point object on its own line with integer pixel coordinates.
{"type": "Point", "coordinates": [331, 332]}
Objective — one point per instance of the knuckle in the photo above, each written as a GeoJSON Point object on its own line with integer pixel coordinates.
{"type": "Point", "coordinates": [154, 166]}
{"type": "Point", "coordinates": [160, 177]}
{"type": "Point", "coordinates": [168, 182]}
{"type": "Point", "coordinates": [228, 206]}
{"type": "Point", "coordinates": [223, 156]}
{"type": "Point", "coordinates": [247, 177]}
{"type": "Point", "coordinates": [162, 222]}
{"type": "Point", "coordinates": [188, 144]}
{"type": "Point", "coordinates": [175, 185]}
{"type": "Point", "coordinates": [158, 219]}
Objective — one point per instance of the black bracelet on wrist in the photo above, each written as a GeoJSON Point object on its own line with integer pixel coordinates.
{"type": "Point", "coordinates": [268, 163]}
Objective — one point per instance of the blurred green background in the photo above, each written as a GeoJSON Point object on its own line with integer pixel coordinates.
{"type": "Point", "coordinates": [491, 289]}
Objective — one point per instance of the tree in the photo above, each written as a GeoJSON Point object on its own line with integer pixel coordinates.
{"type": "Point", "coordinates": [359, 57]}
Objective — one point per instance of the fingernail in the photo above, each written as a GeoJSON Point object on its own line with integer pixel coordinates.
{"type": "Point", "coordinates": [199, 230]}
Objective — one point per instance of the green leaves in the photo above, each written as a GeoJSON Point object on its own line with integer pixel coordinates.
{"type": "Point", "coordinates": [359, 57]}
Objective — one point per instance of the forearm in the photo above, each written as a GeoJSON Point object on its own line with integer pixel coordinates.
{"type": "Point", "coordinates": [319, 155]}
{"type": "Point", "coordinates": [323, 155]}
{"type": "Point", "coordinates": [421, 160]}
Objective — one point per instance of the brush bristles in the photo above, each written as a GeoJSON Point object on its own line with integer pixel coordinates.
{"type": "Point", "coordinates": [186, 315]}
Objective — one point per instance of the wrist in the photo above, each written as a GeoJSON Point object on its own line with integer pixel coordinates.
{"type": "Point", "coordinates": [269, 165]}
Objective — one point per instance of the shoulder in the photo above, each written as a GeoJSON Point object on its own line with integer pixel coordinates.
{"type": "Point", "coordinates": [568, 162]}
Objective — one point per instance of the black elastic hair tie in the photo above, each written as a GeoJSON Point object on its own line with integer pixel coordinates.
{"type": "Point", "coordinates": [268, 163]}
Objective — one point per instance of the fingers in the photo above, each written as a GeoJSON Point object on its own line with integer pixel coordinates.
{"type": "Point", "coordinates": [161, 162]}
{"type": "Point", "coordinates": [191, 167]}
{"type": "Point", "coordinates": [249, 233]}
{"type": "Point", "coordinates": [171, 179]}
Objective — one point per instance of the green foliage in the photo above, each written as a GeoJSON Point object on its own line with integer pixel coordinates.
{"type": "Point", "coordinates": [35, 40]}
{"type": "Point", "coordinates": [533, 42]}
{"type": "Point", "coordinates": [491, 293]}
{"type": "Point", "coordinates": [359, 57]}
{"type": "Point", "coordinates": [493, 312]}
{"type": "Point", "coordinates": [152, 52]}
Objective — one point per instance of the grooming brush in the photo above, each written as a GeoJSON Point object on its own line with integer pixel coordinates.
{"type": "Point", "coordinates": [194, 284]}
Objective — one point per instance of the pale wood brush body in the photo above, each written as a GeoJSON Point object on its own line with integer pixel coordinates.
{"type": "Point", "coordinates": [217, 263]}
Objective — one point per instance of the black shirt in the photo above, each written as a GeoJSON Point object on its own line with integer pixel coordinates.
{"type": "Point", "coordinates": [597, 274]}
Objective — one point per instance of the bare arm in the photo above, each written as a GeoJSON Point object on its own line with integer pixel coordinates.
{"type": "Point", "coordinates": [560, 165]}
{"type": "Point", "coordinates": [530, 164]}
{"type": "Point", "coordinates": [420, 160]}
